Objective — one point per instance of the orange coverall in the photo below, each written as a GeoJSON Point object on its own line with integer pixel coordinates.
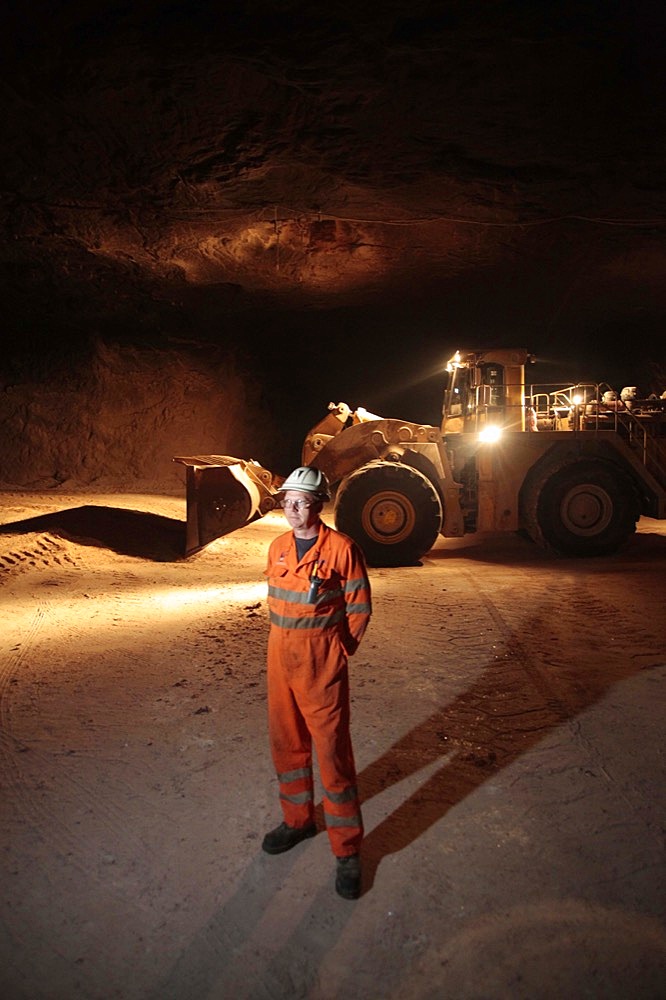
{"type": "Point", "coordinates": [308, 685]}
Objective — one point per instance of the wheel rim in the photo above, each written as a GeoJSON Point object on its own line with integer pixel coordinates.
{"type": "Point", "coordinates": [388, 518]}
{"type": "Point", "coordinates": [586, 510]}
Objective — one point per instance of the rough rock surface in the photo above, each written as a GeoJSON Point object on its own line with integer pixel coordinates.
{"type": "Point", "coordinates": [336, 196]}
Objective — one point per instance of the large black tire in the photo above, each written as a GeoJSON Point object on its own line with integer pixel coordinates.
{"type": "Point", "coordinates": [587, 509]}
{"type": "Point", "coordinates": [392, 511]}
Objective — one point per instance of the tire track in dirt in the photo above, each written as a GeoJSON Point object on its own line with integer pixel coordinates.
{"type": "Point", "coordinates": [538, 638]}
{"type": "Point", "coordinates": [486, 694]}
{"type": "Point", "coordinates": [555, 609]}
{"type": "Point", "coordinates": [518, 702]}
{"type": "Point", "coordinates": [554, 697]}
{"type": "Point", "coordinates": [511, 654]}
{"type": "Point", "coordinates": [574, 686]}
{"type": "Point", "coordinates": [38, 552]}
{"type": "Point", "coordinates": [603, 618]}
{"type": "Point", "coordinates": [508, 675]}
{"type": "Point", "coordinates": [30, 776]}
{"type": "Point", "coordinates": [12, 775]}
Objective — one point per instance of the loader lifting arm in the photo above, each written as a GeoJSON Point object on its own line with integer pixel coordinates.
{"type": "Point", "coordinates": [394, 486]}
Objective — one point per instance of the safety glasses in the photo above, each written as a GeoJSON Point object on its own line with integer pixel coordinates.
{"type": "Point", "coordinates": [294, 504]}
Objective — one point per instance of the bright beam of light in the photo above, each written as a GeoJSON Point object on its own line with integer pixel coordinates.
{"type": "Point", "coordinates": [171, 598]}
{"type": "Point", "coordinates": [114, 619]}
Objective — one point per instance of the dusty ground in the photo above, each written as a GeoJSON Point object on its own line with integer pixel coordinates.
{"type": "Point", "coordinates": [507, 713]}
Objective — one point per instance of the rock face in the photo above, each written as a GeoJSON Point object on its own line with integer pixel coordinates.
{"type": "Point", "coordinates": [314, 191]}
{"type": "Point", "coordinates": [122, 416]}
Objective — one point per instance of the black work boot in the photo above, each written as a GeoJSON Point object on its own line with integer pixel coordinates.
{"type": "Point", "coordinates": [348, 877]}
{"type": "Point", "coordinates": [284, 837]}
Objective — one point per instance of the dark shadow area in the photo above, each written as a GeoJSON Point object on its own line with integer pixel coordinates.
{"type": "Point", "coordinates": [213, 962]}
{"type": "Point", "coordinates": [128, 532]}
{"type": "Point", "coordinates": [644, 546]}
{"type": "Point", "coordinates": [509, 548]}
{"type": "Point", "coordinates": [513, 706]}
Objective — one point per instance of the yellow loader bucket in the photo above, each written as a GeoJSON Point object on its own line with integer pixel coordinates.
{"type": "Point", "coordinates": [223, 494]}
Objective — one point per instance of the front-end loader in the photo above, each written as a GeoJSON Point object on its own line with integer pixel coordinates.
{"type": "Point", "coordinates": [573, 465]}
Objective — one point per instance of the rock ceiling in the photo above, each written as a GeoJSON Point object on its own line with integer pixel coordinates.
{"type": "Point", "coordinates": [172, 169]}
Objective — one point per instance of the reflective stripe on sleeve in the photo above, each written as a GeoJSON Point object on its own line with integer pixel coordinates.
{"type": "Point", "coordinates": [359, 609]}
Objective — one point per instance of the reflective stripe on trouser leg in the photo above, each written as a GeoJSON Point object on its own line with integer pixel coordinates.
{"type": "Point", "coordinates": [291, 745]}
{"type": "Point", "coordinates": [308, 699]}
{"type": "Point", "coordinates": [344, 823]}
{"type": "Point", "coordinates": [297, 796]}
{"type": "Point", "coordinates": [332, 739]}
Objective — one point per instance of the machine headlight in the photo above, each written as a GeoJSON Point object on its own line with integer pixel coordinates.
{"type": "Point", "coordinates": [490, 434]}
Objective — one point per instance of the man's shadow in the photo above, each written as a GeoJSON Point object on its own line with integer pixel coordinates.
{"type": "Point", "coordinates": [510, 708]}
{"type": "Point", "coordinates": [128, 532]}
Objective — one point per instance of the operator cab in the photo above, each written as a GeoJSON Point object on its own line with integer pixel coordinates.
{"type": "Point", "coordinates": [485, 389]}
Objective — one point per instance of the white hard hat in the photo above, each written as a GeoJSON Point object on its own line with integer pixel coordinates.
{"type": "Point", "coordinates": [306, 479]}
